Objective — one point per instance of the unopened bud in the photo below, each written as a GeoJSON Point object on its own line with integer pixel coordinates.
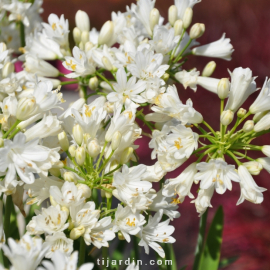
{"type": "Point", "coordinates": [102, 193]}
{"type": "Point", "coordinates": [197, 30]}
{"type": "Point", "coordinates": [80, 155]}
{"type": "Point", "coordinates": [81, 46]}
{"type": "Point", "coordinates": [1, 143]}
{"type": "Point", "coordinates": [116, 139]}
{"type": "Point", "coordinates": [70, 177]}
{"type": "Point", "coordinates": [63, 141]}
{"type": "Point", "coordinates": [223, 88]}
{"type": "Point", "coordinates": [77, 232]}
{"type": "Point", "coordinates": [253, 167]}
{"type": "Point", "coordinates": [241, 113]}
{"type": "Point", "coordinates": [107, 63]}
{"type": "Point", "coordinates": [226, 117]}
{"type": "Point", "coordinates": [266, 150]}
{"type": "Point", "coordinates": [172, 14]}
{"type": "Point", "coordinates": [209, 69]}
{"type": "Point", "coordinates": [71, 224]}
{"type": "Point", "coordinates": [7, 69]}
{"type": "Point", "coordinates": [187, 19]}
{"type": "Point", "coordinates": [178, 27]}
{"type": "Point", "coordinates": [93, 148]}
{"type": "Point", "coordinates": [93, 83]}
{"type": "Point", "coordinates": [263, 124]}
{"type": "Point", "coordinates": [86, 191]}
{"type": "Point", "coordinates": [108, 195]}
{"type": "Point", "coordinates": [165, 77]}
{"type": "Point", "coordinates": [82, 21]}
{"type": "Point", "coordinates": [86, 137]}
{"type": "Point", "coordinates": [26, 107]}
{"type": "Point", "coordinates": [126, 154]}
{"type": "Point", "coordinates": [85, 37]}
{"type": "Point", "coordinates": [88, 46]}
{"type": "Point", "coordinates": [78, 134]}
{"type": "Point", "coordinates": [72, 150]}
{"type": "Point", "coordinates": [154, 18]}
{"type": "Point", "coordinates": [106, 33]}
{"type": "Point", "coordinates": [258, 116]}
{"type": "Point", "coordinates": [121, 236]}
{"type": "Point", "coordinates": [77, 35]}
{"type": "Point", "coordinates": [114, 165]}
{"type": "Point", "coordinates": [4, 47]}
{"type": "Point", "coordinates": [248, 126]}
{"type": "Point", "coordinates": [55, 172]}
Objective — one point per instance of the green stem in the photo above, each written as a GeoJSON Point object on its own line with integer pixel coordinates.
{"type": "Point", "coordinates": [175, 49]}
{"type": "Point", "coordinates": [243, 155]}
{"type": "Point", "coordinates": [22, 34]}
{"type": "Point", "coordinates": [206, 153]}
{"type": "Point", "coordinates": [233, 157]}
{"type": "Point", "coordinates": [242, 119]}
{"type": "Point", "coordinates": [200, 241]}
{"type": "Point", "coordinates": [11, 128]}
{"type": "Point", "coordinates": [180, 54]}
{"type": "Point", "coordinates": [72, 170]}
{"type": "Point", "coordinates": [109, 203]}
{"type": "Point", "coordinates": [84, 89]}
{"type": "Point", "coordinates": [101, 154]}
{"type": "Point", "coordinates": [210, 128]}
{"type": "Point", "coordinates": [104, 79]}
{"type": "Point", "coordinates": [82, 252]}
{"type": "Point", "coordinates": [145, 122]}
{"type": "Point", "coordinates": [234, 128]}
{"type": "Point", "coordinates": [8, 209]}
{"type": "Point", "coordinates": [202, 148]}
{"type": "Point", "coordinates": [118, 167]}
{"type": "Point", "coordinates": [68, 82]}
{"type": "Point", "coordinates": [136, 249]}
{"type": "Point", "coordinates": [17, 130]}
{"type": "Point", "coordinates": [104, 256]}
{"type": "Point", "coordinates": [106, 161]}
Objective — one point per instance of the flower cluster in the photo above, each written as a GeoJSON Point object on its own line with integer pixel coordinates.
{"type": "Point", "coordinates": [74, 164]}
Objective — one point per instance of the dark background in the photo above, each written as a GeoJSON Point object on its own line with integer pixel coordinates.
{"type": "Point", "coordinates": [246, 22]}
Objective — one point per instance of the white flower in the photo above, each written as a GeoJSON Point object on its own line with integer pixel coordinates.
{"type": "Point", "coordinates": [79, 64]}
{"type": "Point", "coordinates": [203, 200]}
{"type": "Point", "coordinates": [156, 231]}
{"type": "Point", "coordinates": [170, 106]}
{"type": "Point", "coordinates": [18, 11]}
{"type": "Point", "coordinates": [242, 86]}
{"type": "Point", "coordinates": [266, 150]}
{"type": "Point", "coordinates": [127, 222]}
{"type": "Point", "coordinates": [183, 141]}
{"type": "Point", "coordinates": [3, 53]}
{"type": "Point", "coordinates": [57, 29]}
{"type": "Point", "coordinates": [254, 167]}
{"type": "Point", "coordinates": [181, 185]}
{"type": "Point", "coordinates": [153, 173]}
{"type": "Point", "coordinates": [58, 241]}
{"type": "Point", "coordinates": [265, 161]}
{"type": "Point", "coordinates": [182, 5]}
{"type": "Point", "coordinates": [129, 187]}
{"type": "Point", "coordinates": [62, 262]}
{"type": "Point", "coordinates": [48, 126]}
{"type": "Point", "coordinates": [262, 102]}
{"type": "Point", "coordinates": [263, 123]}
{"type": "Point", "coordinates": [40, 67]}
{"type": "Point", "coordinates": [50, 220]}
{"type": "Point", "coordinates": [68, 195]}
{"type": "Point", "coordinates": [169, 205]}
{"type": "Point", "coordinates": [25, 158]}
{"type": "Point", "coordinates": [125, 88]}
{"type": "Point", "coordinates": [25, 254]}
{"type": "Point", "coordinates": [132, 267]}
{"type": "Point", "coordinates": [39, 191]}
{"type": "Point", "coordinates": [216, 173]}
{"type": "Point", "coordinates": [250, 191]}
{"type": "Point", "coordinates": [77, 105]}
{"type": "Point", "coordinates": [221, 48]}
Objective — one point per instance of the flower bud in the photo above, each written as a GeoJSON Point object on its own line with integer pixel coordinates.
{"type": "Point", "coordinates": [263, 124]}
{"type": "Point", "coordinates": [88, 46]}
{"type": "Point", "coordinates": [86, 191]}
{"type": "Point", "coordinates": [116, 139]}
{"type": "Point", "coordinates": [65, 209]}
{"type": "Point", "coordinates": [108, 195]}
{"type": "Point", "coordinates": [178, 27]}
{"type": "Point", "coordinates": [172, 15]}
{"type": "Point", "coordinates": [71, 224]}
{"type": "Point", "coordinates": [1, 143]}
{"type": "Point", "coordinates": [26, 107]}
{"type": "Point", "coordinates": [196, 30]}
{"type": "Point", "coordinates": [85, 37]}
{"type": "Point", "coordinates": [4, 47]}
{"type": "Point", "coordinates": [258, 116]}
{"type": "Point", "coordinates": [126, 154]}
{"type": "Point", "coordinates": [55, 172]}
{"type": "Point", "coordinates": [72, 150]}
{"type": "Point", "coordinates": [266, 150]}
{"type": "Point", "coordinates": [226, 117]}
{"type": "Point", "coordinates": [223, 88]}
{"type": "Point", "coordinates": [102, 193]}
{"type": "Point", "coordinates": [82, 21]}
{"type": "Point", "coordinates": [121, 236]}
{"type": "Point", "coordinates": [253, 167]}
{"type": "Point", "coordinates": [7, 69]}
{"type": "Point", "coordinates": [165, 77]}
{"type": "Point", "coordinates": [106, 33]}
{"type": "Point", "coordinates": [77, 232]}
{"type": "Point", "coordinates": [77, 35]}
{"type": "Point", "coordinates": [70, 177]}
{"type": "Point", "coordinates": [248, 126]}
{"type": "Point", "coordinates": [80, 155]}
{"type": "Point", "coordinates": [241, 113]}
{"type": "Point", "coordinates": [81, 46]}
{"type": "Point", "coordinates": [209, 69]}
{"type": "Point", "coordinates": [187, 19]}
{"type": "Point", "coordinates": [107, 63]}
{"type": "Point", "coordinates": [114, 165]}
{"type": "Point", "coordinates": [265, 162]}
{"type": "Point", "coordinates": [154, 18]}
{"type": "Point", "coordinates": [93, 83]}
{"type": "Point", "coordinates": [86, 137]}
{"type": "Point", "coordinates": [63, 141]}
{"type": "Point", "coordinates": [78, 134]}
{"type": "Point", "coordinates": [93, 148]}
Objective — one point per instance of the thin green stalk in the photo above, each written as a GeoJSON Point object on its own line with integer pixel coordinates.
{"type": "Point", "coordinates": [210, 128]}
{"type": "Point", "coordinates": [8, 209]}
{"type": "Point", "coordinates": [242, 119]}
{"type": "Point", "coordinates": [118, 167]}
{"type": "Point", "coordinates": [221, 126]}
{"type": "Point", "coordinates": [106, 161]}
{"type": "Point", "coordinates": [72, 170]}
{"type": "Point", "coordinates": [175, 49]}
{"type": "Point", "coordinates": [234, 157]}
{"type": "Point", "coordinates": [104, 256]}
{"type": "Point", "coordinates": [17, 130]}
{"type": "Point", "coordinates": [206, 153]}
{"type": "Point", "coordinates": [104, 79]}
{"type": "Point", "coordinates": [202, 148]}
{"type": "Point", "coordinates": [243, 155]}
{"type": "Point", "coordinates": [84, 89]}
{"type": "Point", "coordinates": [22, 34]}
{"type": "Point", "coordinates": [101, 155]}
{"type": "Point", "coordinates": [109, 203]}
{"type": "Point", "coordinates": [200, 241]}
{"type": "Point", "coordinates": [145, 122]}
{"type": "Point", "coordinates": [235, 126]}
{"type": "Point", "coordinates": [68, 82]}
{"type": "Point", "coordinates": [181, 53]}
{"type": "Point", "coordinates": [82, 252]}
{"type": "Point", "coordinates": [11, 128]}
{"type": "Point", "coordinates": [136, 249]}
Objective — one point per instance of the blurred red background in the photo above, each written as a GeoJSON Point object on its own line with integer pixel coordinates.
{"type": "Point", "coordinates": [246, 231]}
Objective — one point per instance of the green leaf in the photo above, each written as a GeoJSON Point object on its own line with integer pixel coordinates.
{"type": "Point", "coordinates": [211, 253]}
